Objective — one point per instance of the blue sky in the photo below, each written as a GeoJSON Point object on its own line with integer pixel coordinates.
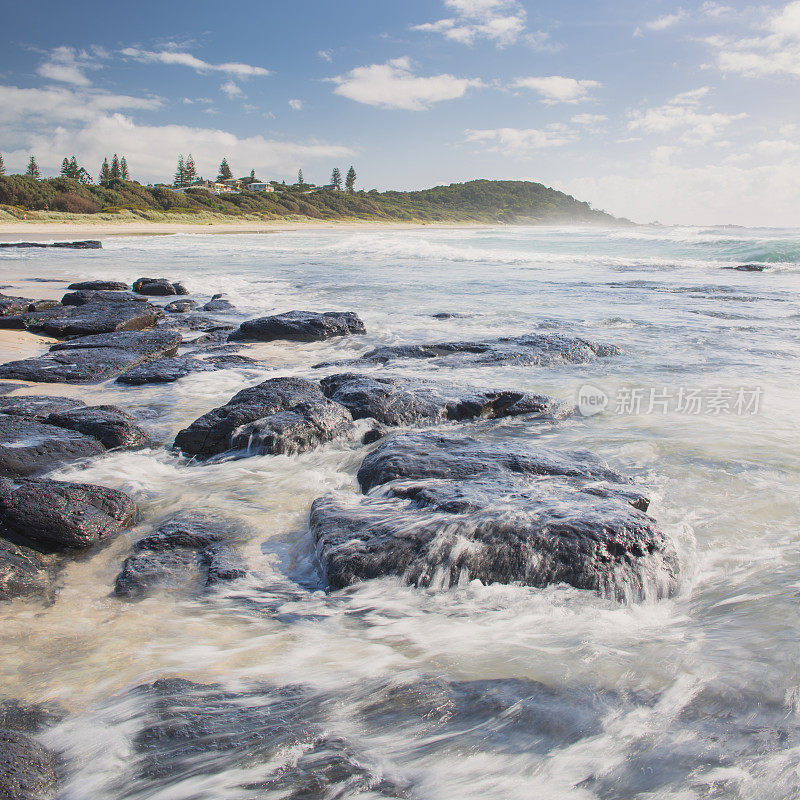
{"type": "Point", "coordinates": [683, 113]}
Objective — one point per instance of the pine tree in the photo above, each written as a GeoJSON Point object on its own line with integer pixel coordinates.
{"type": "Point", "coordinates": [83, 175]}
{"type": "Point", "coordinates": [33, 169]}
{"type": "Point", "coordinates": [123, 169]}
{"type": "Point", "coordinates": [336, 178]}
{"type": "Point", "coordinates": [74, 169]}
{"type": "Point", "coordinates": [252, 176]}
{"type": "Point", "coordinates": [65, 167]}
{"type": "Point", "coordinates": [191, 171]}
{"type": "Point", "coordinates": [350, 180]}
{"type": "Point", "coordinates": [300, 181]}
{"type": "Point", "coordinates": [180, 173]}
{"type": "Point", "coordinates": [225, 173]}
{"type": "Point", "coordinates": [2, 165]}
{"type": "Point", "coordinates": [105, 173]}
{"type": "Point", "coordinates": [116, 172]}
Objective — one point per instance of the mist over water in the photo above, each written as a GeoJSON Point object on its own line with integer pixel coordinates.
{"type": "Point", "coordinates": [695, 696]}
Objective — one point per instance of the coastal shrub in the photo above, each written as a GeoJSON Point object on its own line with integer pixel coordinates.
{"type": "Point", "coordinates": [74, 204]}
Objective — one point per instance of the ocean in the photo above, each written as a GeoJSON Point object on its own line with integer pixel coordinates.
{"type": "Point", "coordinates": [554, 692]}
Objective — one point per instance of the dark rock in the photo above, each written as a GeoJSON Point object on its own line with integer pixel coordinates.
{"type": "Point", "coordinates": [23, 573]}
{"type": "Point", "coordinates": [374, 434]}
{"type": "Point", "coordinates": [93, 318]}
{"type": "Point", "coordinates": [301, 326]}
{"type": "Point", "coordinates": [113, 286]}
{"type": "Point", "coordinates": [92, 359]}
{"type": "Point", "coordinates": [81, 297]}
{"type": "Point", "coordinates": [160, 287]}
{"type": "Point", "coordinates": [164, 370]}
{"type": "Point", "coordinates": [181, 306]}
{"type": "Point", "coordinates": [215, 338]}
{"type": "Point", "coordinates": [532, 349]}
{"type": "Point", "coordinates": [444, 509]}
{"type": "Point", "coordinates": [188, 551]}
{"type": "Point", "coordinates": [54, 515]}
{"type": "Point", "coordinates": [403, 401]}
{"type": "Point", "coordinates": [15, 306]}
{"type": "Point", "coordinates": [295, 430]}
{"type": "Point", "coordinates": [108, 424]}
{"type": "Point", "coordinates": [28, 446]}
{"type": "Point", "coordinates": [27, 770]}
{"type": "Point", "coordinates": [213, 433]}
{"type": "Point", "coordinates": [38, 406]}
{"type": "Point", "coordinates": [32, 718]}
{"type": "Point", "coordinates": [749, 267]}
{"type": "Point", "coordinates": [167, 370]}
{"type": "Point", "coordinates": [196, 322]}
{"type": "Point", "coordinates": [89, 244]}
{"type": "Point", "coordinates": [218, 303]}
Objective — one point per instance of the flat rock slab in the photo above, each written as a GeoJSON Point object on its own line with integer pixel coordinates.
{"type": "Point", "coordinates": [113, 286]}
{"type": "Point", "coordinates": [533, 349]}
{"type": "Point", "coordinates": [442, 510]}
{"type": "Point", "coordinates": [28, 446]}
{"type": "Point", "coordinates": [88, 244]}
{"type": "Point", "coordinates": [189, 551]}
{"type": "Point", "coordinates": [111, 426]}
{"type": "Point", "coordinates": [403, 401]}
{"type": "Point", "coordinates": [92, 359]}
{"type": "Point", "coordinates": [88, 319]}
{"type": "Point", "coordinates": [167, 370]}
{"type": "Point", "coordinates": [300, 326]}
{"type": "Point", "coordinates": [159, 287]}
{"type": "Point", "coordinates": [14, 306]}
{"type": "Point", "coordinates": [55, 515]}
{"type": "Point", "coordinates": [27, 770]}
{"type": "Point", "coordinates": [81, 297]}
{"type": "Point", "coordinates": [214, 432]}
{"type": "Point", "coordinates": [23, 573]}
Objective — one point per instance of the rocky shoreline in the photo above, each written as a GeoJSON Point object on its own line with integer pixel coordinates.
{"type": "Point", "coordinates": [438, 508]}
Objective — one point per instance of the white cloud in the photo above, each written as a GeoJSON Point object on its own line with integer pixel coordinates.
{"type": "Point", "coordinates": [325, 55]}
{"type": "Point", "coordinates": [174, 57]}
{"type": "Point", "coordinates": [67, 65]}
{"type": "Point", "coordinates": [682, 114]}
{"type": "Point", "coordinates": [521, 141]}
{"type": "Point", "coordinates": [296, 104]}
{"type": "Point", "coordinates": [589, 119]}
{"type": "Point", "coordinates": [231, 89]}
{"type": "Point", "coordinates": [776, 148]}
{"type": "Point", "coordinates": [557, 89]}
{"type": "Point", "coordinates": [709, 194]}
{"type": "Point", "coordinates": [774, 49]}
{"type": "Point", "coordinates": [666, 21]}
{"type": "Point", "coordinates": [53, 123]}
{"type": "Point", "coordinates": [500, 21]}
{"type": "Point", "coordinates": [394, 85]}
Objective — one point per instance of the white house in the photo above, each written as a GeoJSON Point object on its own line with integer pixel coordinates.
{"type": "Point", "coordinates": [260, 186]}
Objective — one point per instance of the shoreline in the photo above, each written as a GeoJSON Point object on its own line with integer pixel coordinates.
{"type": "Point", "coordinates": [23, 230]}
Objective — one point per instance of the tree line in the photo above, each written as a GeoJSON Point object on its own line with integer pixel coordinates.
{"type": "Point", "coordinates": [185, 174]}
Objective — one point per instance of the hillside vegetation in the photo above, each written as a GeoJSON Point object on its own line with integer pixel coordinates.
{"type": "Point", "coordinates": [474, 201]}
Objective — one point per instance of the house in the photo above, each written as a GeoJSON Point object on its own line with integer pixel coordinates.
{"type": "Point", "coordinates": [234, 184]}
{"type": "Point", "coordinates": [261, 186]}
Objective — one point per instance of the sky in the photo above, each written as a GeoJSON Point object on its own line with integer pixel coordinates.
{"type": "Point", "coordinates": [682, 113]}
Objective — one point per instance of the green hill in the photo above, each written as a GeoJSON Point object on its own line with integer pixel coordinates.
{"type": "Point", "coordinates": [474, 201]}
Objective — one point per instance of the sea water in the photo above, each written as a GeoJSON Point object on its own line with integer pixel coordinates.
{"type": "Point", "coordinates": [700, 692]}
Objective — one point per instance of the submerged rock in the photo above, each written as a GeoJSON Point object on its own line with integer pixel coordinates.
{"type": "Point", "coordinates": [55, 515]}
{"type": "Point", "coordinates": [159, 287]}
{"type": "Point", "coordinates": [531, 349]}
{"type": "Point", "coordinates": [27, 769]}
{"type": "Point", "coordinates": [218, 303]}
{"type": "Point", "coordinates": [23, 573]}
{"type": "Point", "coordinates": [214, 432]}
{"type": "Point", "coordinates": [446, 509]}
{"type": "Point", "coordinates": [92, 359]}
{"type": "Point", "coordinates": [188, 551]}
{"type": "Point", "coordinates": [403, 401]}
{"type": "Point", "coordinates": [301, 326]}
{"type": "Point", "coordinates": [167, 370]}
{"type": "Point", "coordinates": [112, 286]}
{"type": "Point", "coordinates": [181, 306]}
{"type": "Point", "coordinates": [749, 267]}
